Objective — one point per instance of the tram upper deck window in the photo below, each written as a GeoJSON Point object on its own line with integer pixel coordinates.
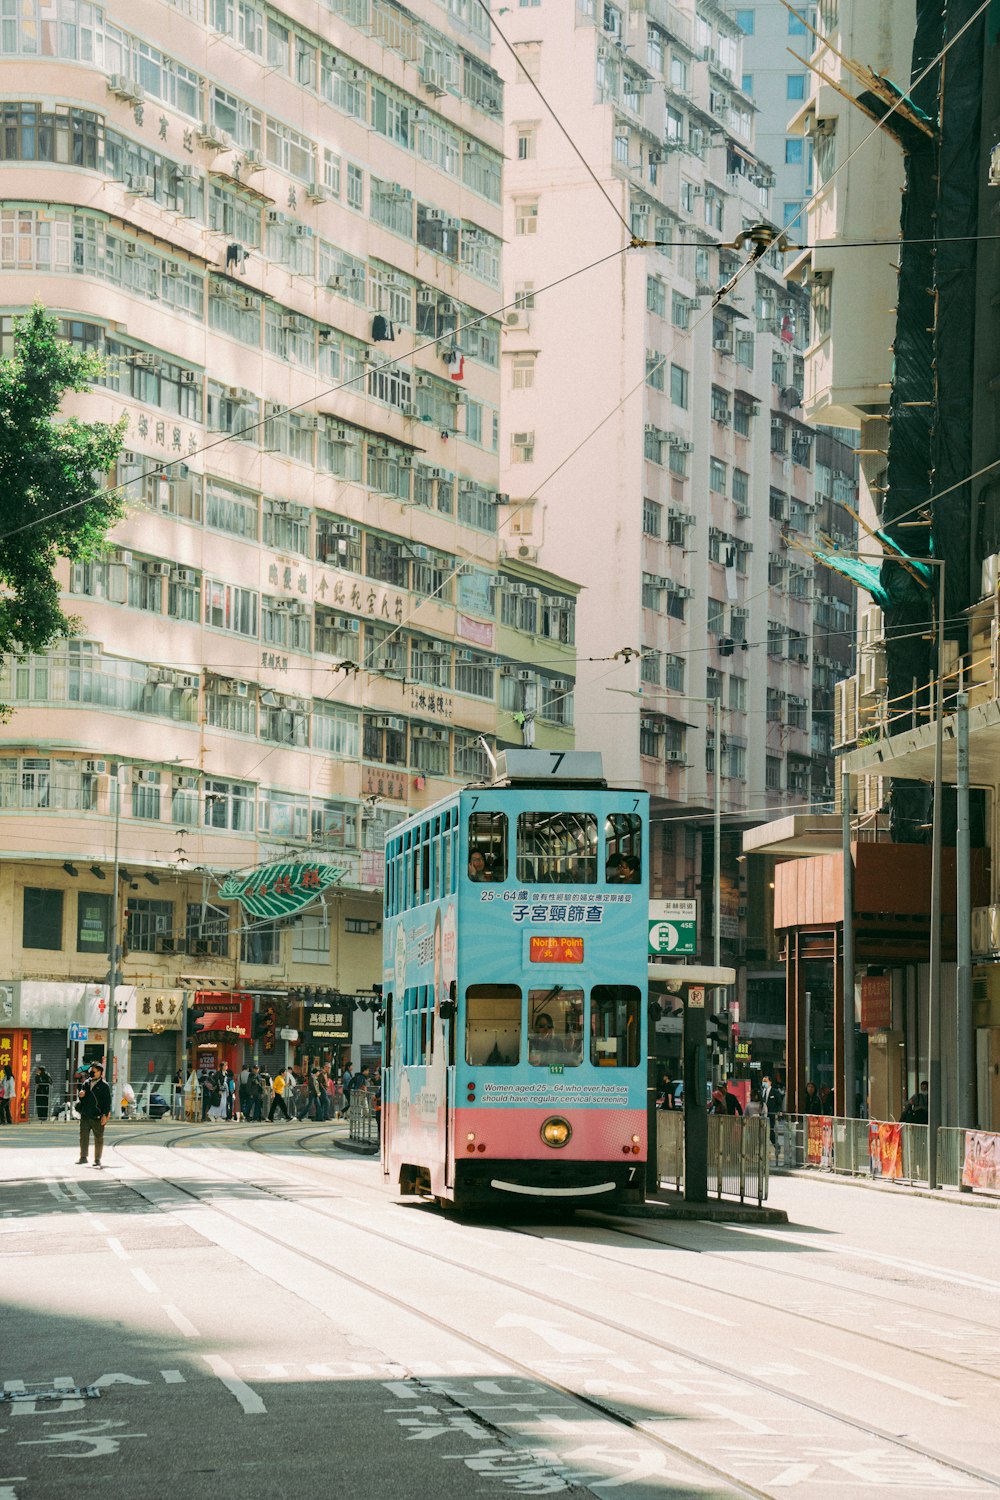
{"type": "Point", "coordinates": [493, 1025]}
{"type": "Point", "coordinates": [555, 1028]}
{"type": "Point", "coordinates": [623, 848]}
{"type": "Point", "coordinates": [487, 846]}
{"type": "Point", "coordinates": [614, 1025]}
{"type": "Point", "coordinates": [557, 848]}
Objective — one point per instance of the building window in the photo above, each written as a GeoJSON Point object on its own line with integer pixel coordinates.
{"type": "Point", "coordinates": [261, 944]}
{"type": "Point", "coordinates": [146, 794]}
{"type": "Point", "coordinates": [745, 19]}
{"type": "Point", "coordinates": [527, 141]}
{"type": "Point", "coordinates": [311, 939]}
{"type": "Point", "coordinates": [228, 804]}
{"type": "Point", "coordinates": [43, 919]}
{"type": "Point", "coordinates": [522, 371]}
{"type": "Point", "coordinates": [656, 296]}
{"type": "Point", "coordinates": [772, 773]}
{"type": "Point", "coordinates": [679, 386]}
{"type": "Point", "coordinates": [93, 922]}
{"type": "Point", "coordinates": [526, 216]}
{"type": "Point", "coordinates": [150, 926]}
{"type": "Point", "coordinates": [795, 86]}
{"type": "Point", "coordinates": [652, 518]}
{"type": "Point", "coordinates": [654, 370]}
{"type": "Point", "coordinates": [717, 476]}
{"type": "Point", "coordinates": [793, 151]}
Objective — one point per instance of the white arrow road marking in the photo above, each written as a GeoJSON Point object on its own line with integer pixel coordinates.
{"type": "Point", "coordinates": [899, 1385]}
{"type": "Point", "coordinates": [251, 1403]}
{"type": "Point", "coordinates": [552, 1334]}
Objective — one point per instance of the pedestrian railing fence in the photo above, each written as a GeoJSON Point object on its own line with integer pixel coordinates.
{"type": "Point", "coordinates": [738, 1154]}
{"type": "Point", "coordinates": [890, 1150]}
{"type": "Point", "coordinates": [362, 1119]}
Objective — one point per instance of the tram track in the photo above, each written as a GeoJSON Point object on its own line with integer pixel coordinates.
{"type": "Point", "coordinates": [551, 1301]}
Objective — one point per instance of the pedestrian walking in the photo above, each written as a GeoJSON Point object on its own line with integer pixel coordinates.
{"type": "Point", "coordinates": [8, 1090]}
{"type": "Point", "coordinates": [278, 1101]}
{"type": "Point", "coordinates": [825, 1099]}
{"type": "Point", "coordinates": [94, 1108]}
{"type": "Point", "coordinates": [346, 1084]}
{"type": "Point", "coordinates": [772, 1100]}
{"type": "Point", "coordinates": [723, 1102]}
{"type": "Point", "coordinates": [43, 1090]}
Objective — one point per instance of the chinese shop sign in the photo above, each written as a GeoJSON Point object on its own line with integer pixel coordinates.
{"type": "Point", "coordinates": [280, 890]}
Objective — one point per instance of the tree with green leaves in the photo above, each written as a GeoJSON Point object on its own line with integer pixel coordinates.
{"type": "Point", "coordinates": [52, 473]}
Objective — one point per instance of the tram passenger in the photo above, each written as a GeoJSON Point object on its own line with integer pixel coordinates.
{"type": "Point", "coordinates": [477, 866]}
{"type": "Point", "coordinates": [630, 872]}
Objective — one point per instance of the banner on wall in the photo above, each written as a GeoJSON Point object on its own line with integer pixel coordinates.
{"type": "Point", "coordinates": [15, 1053]}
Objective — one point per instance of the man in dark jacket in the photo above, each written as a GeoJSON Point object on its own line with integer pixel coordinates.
{"type": "Point", "coordinates": [94, 1108]}
{"type": "Point", "coordinates": [723, 1102]}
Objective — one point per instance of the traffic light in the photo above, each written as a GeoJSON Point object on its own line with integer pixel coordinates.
{"type": "Point", "coordinates": [261, 1024]}
{"type": "Point", "coordinates": [196, 1022]}
{"type": "Point", "coordinates": [719, 1029]}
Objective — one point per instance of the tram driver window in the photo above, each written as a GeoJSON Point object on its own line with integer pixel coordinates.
{"type": "Point", "coordinates": [555, 1027]}
{"type": "Point", "coordinates": [493, 1025]}
{"type": "Point", "coordinates": [487, 846]}
{"type": "Point", "coordinates": [614, 1026]}
{"type": "Point", "coordinates": [557, 848]}
{"type": "Point", "coordinates": [623, 848]}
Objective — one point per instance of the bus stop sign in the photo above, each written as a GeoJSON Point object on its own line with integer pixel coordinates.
{"type": "Point", "coordinates": [673, 926]}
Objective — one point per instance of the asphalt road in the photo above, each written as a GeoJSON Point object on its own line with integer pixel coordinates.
{"type": "Point", "coordinates": [240, 1312]}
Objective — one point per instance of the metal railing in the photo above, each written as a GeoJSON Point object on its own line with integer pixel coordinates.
{"type": "Point", "coordinates": [362, 1119]}
{"type": "Point", "coordinates": [889, 1150]}
{"type": "Point", "coordinates": [738, 1155]}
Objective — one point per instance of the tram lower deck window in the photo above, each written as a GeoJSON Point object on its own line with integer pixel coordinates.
{"type": "Point", "coordinates": [614, 1026]}
{"type": "Point", "coordinates": [493, 1025]}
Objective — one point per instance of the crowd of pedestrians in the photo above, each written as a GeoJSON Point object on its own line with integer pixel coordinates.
{"type": "Point", "coordinates": [256, 1095]}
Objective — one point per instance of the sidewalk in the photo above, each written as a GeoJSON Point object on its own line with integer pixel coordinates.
{"type": "Point", "coordinates": [978, 1199]}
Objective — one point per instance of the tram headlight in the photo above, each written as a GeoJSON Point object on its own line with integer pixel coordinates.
{"type": "Point", "coordinates": [556, 1132]}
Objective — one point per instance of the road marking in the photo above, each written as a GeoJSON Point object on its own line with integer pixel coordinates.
{"type": "Point", "coordinates": [177, 1317]}
{"type": "Point", "coordinates": [74, 1188]}
{"type": "Point", "coordinates": [681, 1307]}
{"type": "Point", "coordinates": [552, 1334]}
{"type": "Point", "coordinates": [118, 1248]}
{"type": "Point", "coordinates": [899, 1385]}
{"type": "Point", "coordinates": [146, 1282]}
{"type": "Point", "coordinates": [956, 1278]}
{"type": "Point", "coordinates": [172, 1377]}
{"type": "Point", "coordinates": [251, 1403]}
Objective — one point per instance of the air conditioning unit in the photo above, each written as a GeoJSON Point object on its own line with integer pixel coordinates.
{"type": "Point", "coordinates": [207, 947]}
{"type": "Point", "coordinates": [387, 721]}
{"type": "Point", "coordinates": [158, 569]}
{"type": "Point", "coordinates": [523, 439]}
{"type": "Point", "coordinates": [188, 681]}
{"type": "Point", "coordinates": [309, 422]}
{"type": "Point", "coordinates": [518, 317]}
{"type": "Point", "coordinates": [525, 676]}
{"type": "Point", "coordinates": [126, 88]}
{"type": "Point", "coordinates": [675, 757]}
{"type": "Point", "coordinates": [211, 136]}
{"type": "Point", "coordinates": [317, 193]}
{"type": "Point", "coordinates": [185, 575]}
{"type": "Point", "coordinates": [141, 186]}
{"type": "Point", "coordinates": [410, 409]}
{"type": "Point", "coordinates": [95, 767]}
{"type": "Point", "coordinates": [163, 944]}
{"type": "Point", "coordinates": [188, 377]}
{"type": "Point", "coordinates": [527, 553]}
{"type": "Point", "coordinates": [425, 296]}
{"type": "Point", "coordinates": [338, 434]}
{"type": "Point", "coordinates": [253, 160]}
{"type": "Point", "coordinates": [433, 81]}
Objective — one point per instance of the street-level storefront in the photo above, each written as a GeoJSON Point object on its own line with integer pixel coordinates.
{"type": "Point", "coordinates": [15, 1053]}
{"type": "Point", "coordinates": [222, 1025]}
{"type": "Point", "coordinates": [154, 1021]}
{"type": "Point", "coordinates": [326, 1034]}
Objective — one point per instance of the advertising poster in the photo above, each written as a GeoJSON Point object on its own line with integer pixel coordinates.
{"type": "Point", "coordinates": [981, 1166]}
{"type": "Point", "coordinates": [885, 1152]}
{"type": "Point", "coordinates": [819, 1141]}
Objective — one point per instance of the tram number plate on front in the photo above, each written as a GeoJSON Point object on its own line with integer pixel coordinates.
{"type": "Point", "coordinates": [556, 950]}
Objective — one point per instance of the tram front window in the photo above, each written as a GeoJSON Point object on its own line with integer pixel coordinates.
{"type": "Point", "coordinates": [555, 1028]}
{"type": "Point", "coordinates": [493, 1025]}
{"type": "Point", "coordinates": [557, 848]}
{"type": "Point", "coordinates": [614, 1026]}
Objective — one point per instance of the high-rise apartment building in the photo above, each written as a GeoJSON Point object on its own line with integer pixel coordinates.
{"type": "Point", "coordinates": [775, 40]}
{"type": "Point", "coordinates": [281, 228]}
{"type": "Point", "coordinates": [652, 443]}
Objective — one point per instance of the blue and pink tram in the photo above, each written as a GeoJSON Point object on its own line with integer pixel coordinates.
{"type": "Point", "coordinates": [515, 942]}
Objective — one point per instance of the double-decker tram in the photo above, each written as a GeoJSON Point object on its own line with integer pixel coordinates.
{"type": "Point", "coordinates": [515, 941]}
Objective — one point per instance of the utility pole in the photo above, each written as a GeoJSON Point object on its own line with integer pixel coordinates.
{"type": "Point", "coordinates": [848, 949]}
{"type": "Point", "coordinates": [966, 1092]}
{"type": "Point", "coordinates": [114, 946]}
{"type": "Point", "coordinates": [934, 954]}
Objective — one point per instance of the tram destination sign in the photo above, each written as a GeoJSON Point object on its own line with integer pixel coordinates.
{"type": "Point", "coordinates": [673, 927]}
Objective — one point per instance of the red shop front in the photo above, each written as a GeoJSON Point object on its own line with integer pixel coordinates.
{"type": "Point", "coordinates": [223, 1024]}
{"type": "Point", "coordinates": [15, 1053]}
